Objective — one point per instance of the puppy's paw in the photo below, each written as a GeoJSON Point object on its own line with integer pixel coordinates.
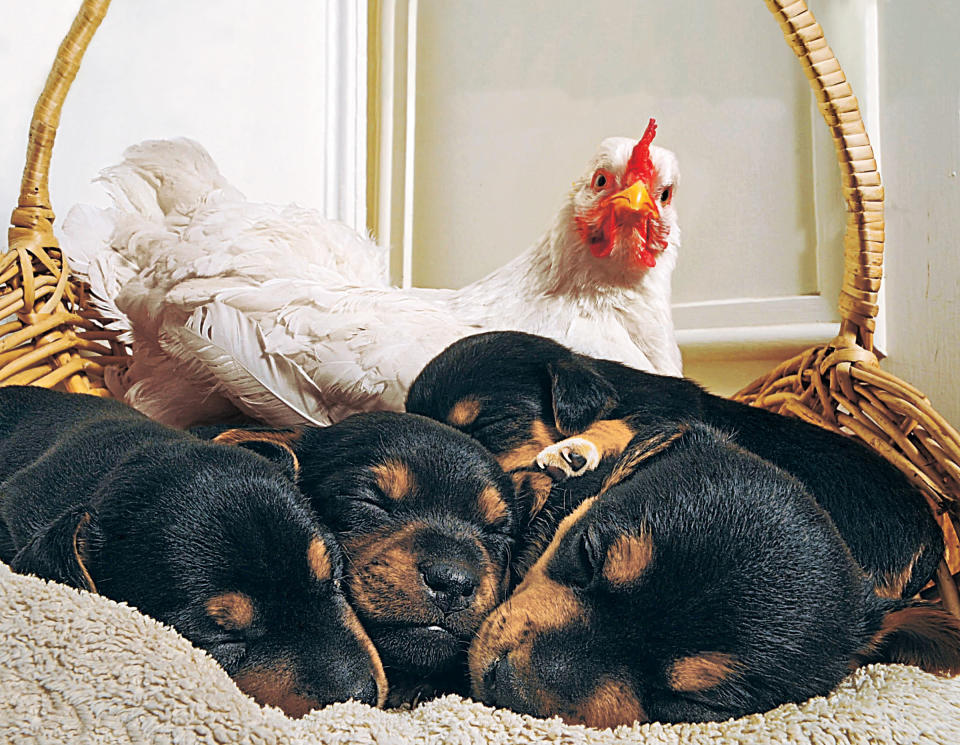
{"type": "Point", "coordinates": [567, 458]}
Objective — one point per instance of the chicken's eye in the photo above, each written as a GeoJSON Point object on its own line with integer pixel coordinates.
{"type": "Point", "coordinates": [600, 180]}
{"type": "Point", "coordinates": [665, 195]}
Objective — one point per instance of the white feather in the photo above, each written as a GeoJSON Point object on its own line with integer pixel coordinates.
{"type": "Point", "coordinates": [230, 347]}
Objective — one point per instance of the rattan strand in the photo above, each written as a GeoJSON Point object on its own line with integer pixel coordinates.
{"type": "Point", "coordinates": [49, 343]}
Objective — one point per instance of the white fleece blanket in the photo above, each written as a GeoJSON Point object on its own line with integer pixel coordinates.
{"type": "Point", "coordinates": [78, 668]}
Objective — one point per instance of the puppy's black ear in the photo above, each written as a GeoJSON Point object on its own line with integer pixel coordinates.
{"type": "Point", "coordinates": [61, 551]}
{"type": "Point", "coordinates": [581, 395]}
{"type": "Point", "coordinates": [649, 441]}
{"type": "Point", "coordinates": [917, 633]}
{"type": "Point", "coordinates": [282, 455]}
{"type": "Point", "coordinates": [274, 445]}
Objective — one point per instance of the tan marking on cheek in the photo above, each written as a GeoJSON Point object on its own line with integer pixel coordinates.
{"type": "Point", "coordinates": [700, 672]}
{"type": "Point", "coordinates": [318, 559]}
{"type": "Point", "coordinates": [538, 604]}
{"type": "Point", "coordinates": [492, 507]}
{"type": "Point", "coordinates": [395, 479]}
{"type": "Point", "coordinates": [488, 593]}
{"type": "Point", "coordinates": [281, 438]}
{"type": "Point", "coordinates": [893, 584]}
{"type": "Point", "coordinates": [627, 558]}
{"type": "Point", "coordinates": [353, 624]}
{"type": "Point", "coordinates": [464, 412]}
{"type": "Point", "coordinates": [562, 529]}
{"type": "Point", "coordinates": [231, 610]}
{"type": "Point", "coordinates": [384, 578]}
{"type": "Point", "coordinates": [611, 704]}
{"type": "Point", "coordinates": [541, 435]}
{"type": "Point", "coordinates": [275, 687]}
{"type": "Point", "coordinates": [638, 453]}
{"type": "Point", "coordinates": [385, 583]}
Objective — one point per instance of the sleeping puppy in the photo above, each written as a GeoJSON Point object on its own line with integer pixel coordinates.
{"type": "Point", "coordinates": [425, 517]}
{"type": "Point", "coordinates": [534, 403]}
{"type": "Point", "coordinates": [213, 540]}
{"type": "Point", "coordinates": [636, 612]}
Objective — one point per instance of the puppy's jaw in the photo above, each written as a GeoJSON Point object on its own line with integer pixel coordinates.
{"type": "Point", "coordinates": [274, 686]}
{"type": "Point", "coordinates": [610, 704]}
{"type": "Point", "coordinates": [377, 672]}
{"type": "Point", "coordinates": [538, 604]}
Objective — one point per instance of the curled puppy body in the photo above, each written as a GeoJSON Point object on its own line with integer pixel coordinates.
{"type": "Point", "coordinates": [214, 541]}
{"type": "Point", "coordinates": [532, 401]}
{"type": "Point", "coordinates": [425, 517]}
{"type": "Point", "coordinates": [635, 612]}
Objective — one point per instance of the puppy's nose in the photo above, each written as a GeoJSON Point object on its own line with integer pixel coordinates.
{"type": "Point", "coordinates": [366, 693]}
{"type": "Point", "coordinates": [451, 586]}
{"type": "Point", "coordinates": [500, 686]}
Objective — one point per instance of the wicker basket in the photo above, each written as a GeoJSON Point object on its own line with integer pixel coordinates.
{"type": "Point", "coordinates": [50, 335]}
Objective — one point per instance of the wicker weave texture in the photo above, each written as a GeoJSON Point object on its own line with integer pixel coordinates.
{"type": "Point", "coordinates": [51, 336]}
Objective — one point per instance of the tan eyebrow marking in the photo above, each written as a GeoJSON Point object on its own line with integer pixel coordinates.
{"type": "Point", "coordinates": [701, 671]}
{"type": "Point", "coordinates": [318, 559]}
{"type": "Point", "coordinates": [492, 507]}
{"type": "Point", "coordinates": [395, 479]}
{"type": "Point", "coordinates": [628, 558]}
{"type": "Point", "coordinates": [231, 610]}
{"type": "Point", "coordinates": [464, 412]}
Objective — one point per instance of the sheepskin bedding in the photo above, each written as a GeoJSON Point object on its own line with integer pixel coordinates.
{"type": "Point", "coordinates": [77, 668]}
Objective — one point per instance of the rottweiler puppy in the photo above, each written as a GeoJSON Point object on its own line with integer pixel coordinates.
{"type": "Point", "coordinates": [212, 540]}
{"type": "Point", "coordinates": [535, 403]}
{"type": "Point", "coordinates": [425, 516]}
{"type": "Point", "coordinates": [636, 611]}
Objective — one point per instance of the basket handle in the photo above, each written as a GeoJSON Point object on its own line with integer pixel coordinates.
{"type": "Point", "coordinates": [34, 187]}
{"type": "Point", "coordinates": [862, 190]}
{"type": "Point", "coordinates": [48, 329]}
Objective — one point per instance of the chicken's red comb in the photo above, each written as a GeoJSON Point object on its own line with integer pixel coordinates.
{"type": "Point", "coordinates": [639, 165]}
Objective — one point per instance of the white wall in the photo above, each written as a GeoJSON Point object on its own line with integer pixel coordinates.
{"type": "Point", "coordinates": [244, 77]}
{"type": "Point", "coordinates": [512, 99]}
{"type": "Point", "coordinates": [920, 122]}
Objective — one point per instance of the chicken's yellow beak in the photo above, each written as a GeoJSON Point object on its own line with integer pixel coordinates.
{"type": "Point", "coordinates": [635, 198]}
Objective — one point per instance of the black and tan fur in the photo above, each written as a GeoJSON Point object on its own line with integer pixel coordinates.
{"type": "Point", "coordinates": [213, 540]}
{"type": "Point", "coordinates": [701, 583]}
{"type": "Point", "coordinates": [426, 519]}
{"type": "Point", "coordinates": [527, 398]}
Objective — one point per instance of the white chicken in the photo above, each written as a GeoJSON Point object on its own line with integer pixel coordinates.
{"type": "Point", "coordinates": [289, 317]}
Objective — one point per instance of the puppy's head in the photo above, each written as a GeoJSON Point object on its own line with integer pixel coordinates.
{"type": "Point", "coordinates": [218, 543]}
{"type": "Point", "coordinates": [425, 518]}
{"type": "Point", "coordinates": [514, 392]}
{"type": "Point", "coordinates": [702, 583]}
